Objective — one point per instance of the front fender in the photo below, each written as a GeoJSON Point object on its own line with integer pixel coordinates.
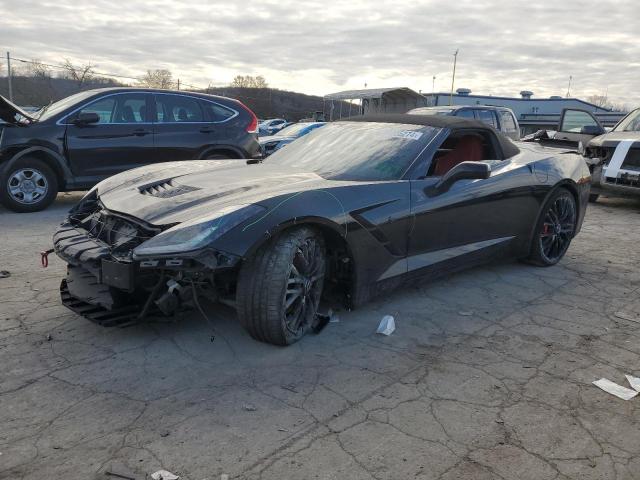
{"type": "Point", "coordinates": [59, 162]}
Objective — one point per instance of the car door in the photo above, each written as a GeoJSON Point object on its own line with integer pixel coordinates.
{"type": "Point", "coordinates": [120, 140]}
{"type": "Point", "coordinates": [577, 126]}
{"type": "Point", "coordinates": [181, 132]}
{"type": "Point", "coordinates": [473, 219]}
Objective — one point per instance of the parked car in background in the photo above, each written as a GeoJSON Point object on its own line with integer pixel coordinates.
{"type": "Point", "coordinates": [287, 135]}
{"type": "Point", "coordinates": [272, 126]}
{"type": "Point", "coordinates": [613, 157]}
{"type": "Point", "coordinates": [501, 118]}
{"type": "Point", "coordinates": [82, 139]}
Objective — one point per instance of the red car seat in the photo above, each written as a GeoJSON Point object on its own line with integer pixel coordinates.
{"type": "Point", "coordinates": [468, 149]}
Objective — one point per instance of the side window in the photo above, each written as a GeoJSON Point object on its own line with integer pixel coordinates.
{"type": "Point", "coordinates": [216, 113]}
{"type": "Point", "coordinates": [130, 108]}
{"type": "Point", "coordinates": [464, 146]}
{"type": "Point", "coordinates": [104, 107]}
{"type": "Point", "coordinates": [466, 113]}
{"type": "Point", "coordinates": [178, 109]}
{"type": "Point", "coordinates": [574, 120]}
{"type": "Point", "coordinates": [488, 117]}
{"type": "Point", "coordinates": [508, 122]}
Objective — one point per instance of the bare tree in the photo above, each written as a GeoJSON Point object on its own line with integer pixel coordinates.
{"type": "Point", "coordinates": [79, 73]}
{"type": "Point", "coordinates": [247, 81]}
{"type": "Point", "coordinates": [38, 69]}
{"type": "Point", "coordinates": [161, 78]}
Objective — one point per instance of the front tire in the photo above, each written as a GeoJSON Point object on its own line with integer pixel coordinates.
{"type": "Point", "coordinates": [28, 186]}
{"type": "Point", "coordinates": [555, 229]}
{"type": "Point", "coordinates": [279, 288]}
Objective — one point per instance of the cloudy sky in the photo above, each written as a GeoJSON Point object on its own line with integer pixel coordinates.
{"type": "Point", "coordinates": [323, 47]}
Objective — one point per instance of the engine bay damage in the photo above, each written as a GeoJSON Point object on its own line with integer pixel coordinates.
{"type": "Point", "coordinates": [106, 284]}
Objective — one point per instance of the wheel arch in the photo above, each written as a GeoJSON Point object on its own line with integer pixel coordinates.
{"type": "Point", "coordinates": [340, 253]}
{"type": "Point", "coordinates": [569, 185]}
{"type": "Point", "coordinates": [229, 150]}
{"type": "Point", "coordinates": [51, 158]}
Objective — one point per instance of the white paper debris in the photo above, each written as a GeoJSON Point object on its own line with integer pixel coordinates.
{"type": "Point", "coordinates": [164, 475]}
{"type": "Point", "coordinates": [614, 389]}
{"type": "Point", "coordinates": [632, 317]}
{"type": "Point", "coordinates": [465, 313]}
{"type": "Point", "coordinates": [634, 382]}
{"type": "Point", "coordinates": [387, 325]}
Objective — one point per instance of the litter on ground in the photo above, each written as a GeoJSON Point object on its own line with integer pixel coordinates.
{"type": "Point", "coordinates": [164, 475]}
{"type": "Point", "coordinates": [387, 325]}
{"type": "Point", "coordinates": [614, 389]}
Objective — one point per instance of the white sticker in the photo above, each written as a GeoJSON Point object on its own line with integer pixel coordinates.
{"type": "Point", "coordinates": [408, 134]}
{"type": "Point", "coordinates": [619, 155]}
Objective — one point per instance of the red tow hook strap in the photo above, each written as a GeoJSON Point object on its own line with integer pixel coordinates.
{"type": "Point", "coordinates": [44, 257]}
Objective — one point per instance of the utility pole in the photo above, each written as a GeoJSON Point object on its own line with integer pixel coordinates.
{"type": "Point", "coordinates": [453, 77]}
{"type": "Point", "coordinates": [433, 91]}
{"type": "Point", "coordinates": [178, 84]}
{"type": "Point", "coordinates": [569, 87]}
{"type": "Point", "coordinates": [9, 77]}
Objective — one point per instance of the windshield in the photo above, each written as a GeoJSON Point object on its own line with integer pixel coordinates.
{"type": "Point", "coordinates": [631, 123]}
{"type": "Point", "coordinates": [61, 105]}
{"type": "Point", "coordinates": [292, 130]}
{"type": "Point", "coordinates": [361, 151]}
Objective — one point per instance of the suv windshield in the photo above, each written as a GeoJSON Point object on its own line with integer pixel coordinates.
{"type": "Point", "coordinates": [360, 151]}
{"type": "Point", "coordinates": [61, 105]}
{"type": "Point", "coordinates": [631, 123]}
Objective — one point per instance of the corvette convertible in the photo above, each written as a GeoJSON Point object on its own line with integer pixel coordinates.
{"type": "Point", "coordinates": [343, 214]}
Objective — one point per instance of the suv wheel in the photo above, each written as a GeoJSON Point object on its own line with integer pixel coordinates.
{"type": "Point", "coordinates": [28, 186]}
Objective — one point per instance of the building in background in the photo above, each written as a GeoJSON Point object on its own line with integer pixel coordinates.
{"type": "Point", "coordinates": [533, 113]}
{"type": "Point", "coordinates": [372, 100]}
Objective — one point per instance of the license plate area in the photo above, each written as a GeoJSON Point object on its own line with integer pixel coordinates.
{"type": "Point", "coordinates": [118, 275]}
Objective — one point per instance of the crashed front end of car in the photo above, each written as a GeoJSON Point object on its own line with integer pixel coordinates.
{"type": "Point", "coordinates": [614, 165]}
{"type": "Point", "coordinates": [121, 269]}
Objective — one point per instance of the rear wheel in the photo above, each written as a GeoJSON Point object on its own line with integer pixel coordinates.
{"type": "Point", "coordinates": [28, 186]}
{"type": "Point", "coordinates": [279, 288]}
{"type": "Point", "coordinates": [555, 229]}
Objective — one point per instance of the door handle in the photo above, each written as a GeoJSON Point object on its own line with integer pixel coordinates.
{"type": "Point", "coordinates": [141, 132]}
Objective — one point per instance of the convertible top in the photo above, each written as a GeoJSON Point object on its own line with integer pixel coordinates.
{"type": "Point", "coordinates": [441, 121]}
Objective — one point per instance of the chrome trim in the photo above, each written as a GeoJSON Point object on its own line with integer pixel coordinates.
{"type": "Point", "coordinates": [236, 113]}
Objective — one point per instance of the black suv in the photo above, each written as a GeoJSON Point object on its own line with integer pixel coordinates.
{"type": "Point", "coordinates": [80, 140]}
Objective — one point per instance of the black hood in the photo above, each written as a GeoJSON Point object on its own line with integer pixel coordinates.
{"type": "Point", "coordinates": [13, 114]}
{"type": "Point", "coordinates": [175, 192]}
{"type": "Point", "coordinates": [612, 139]}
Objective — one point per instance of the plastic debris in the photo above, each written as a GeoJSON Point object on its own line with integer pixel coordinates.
{"type": "Point", "coordinates": [631, 316]}
{"type": "Point", "coordinates": [5, 273]}
{"type": "Point", "coordinates": [614, 389]}
{"type": "Point", "coordinates": [387, 325]}
{"type": "Point", "coordinates": [249, 408]}
{"type": "Point", "coordinates": [164, 475]}
{"type": "Point", "coordinates": [466, 313]}
{"type": "Point", "coordinates": [634, 382]}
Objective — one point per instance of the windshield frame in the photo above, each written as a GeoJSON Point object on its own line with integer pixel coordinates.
{"type": "Point", "coordinates": [632, 115]}
{"type": "Point", "coordinates": [420, 156]}
{"type": "Point", "coordinates": [54, 109]}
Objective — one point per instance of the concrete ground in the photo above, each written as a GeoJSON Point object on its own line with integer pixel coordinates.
{"type": "Point", "coordinates": [488, 376]}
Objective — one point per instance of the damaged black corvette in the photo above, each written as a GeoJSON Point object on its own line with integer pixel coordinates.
{"type": "Point", "coordinates": [344, 213]}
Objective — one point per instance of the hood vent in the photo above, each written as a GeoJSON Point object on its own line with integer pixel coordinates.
{"type": "Point", "coordinates": [166, 189]}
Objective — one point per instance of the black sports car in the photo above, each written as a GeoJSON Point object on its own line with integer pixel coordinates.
{"type": "Point", "coordinates": [347, 211]}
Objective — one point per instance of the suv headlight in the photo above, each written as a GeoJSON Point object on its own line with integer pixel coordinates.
{"type": "Point", "coordinates": [198, 233]}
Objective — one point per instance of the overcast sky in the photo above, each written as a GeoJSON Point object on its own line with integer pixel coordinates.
{"type": "Point", "coordinates": [327, 46]}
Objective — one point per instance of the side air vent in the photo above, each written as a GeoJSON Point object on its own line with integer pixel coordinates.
{"type": "Point", "coordinates": [166, 189]}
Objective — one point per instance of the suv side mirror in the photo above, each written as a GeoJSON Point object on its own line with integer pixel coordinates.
{"type": "Point", "coordinates": [86, 118]}
{"type": "Point", "coordinates": [592, 130]}
{"type": "Point", "coordinates": [462, 171]}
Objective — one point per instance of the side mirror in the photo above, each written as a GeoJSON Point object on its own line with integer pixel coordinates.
{"type": "Point", "coordinates": [462, 171]}
{"type": "Point", "coordinates": [594, 130]}
{"type": "Point", "coordinates": [86, 118]}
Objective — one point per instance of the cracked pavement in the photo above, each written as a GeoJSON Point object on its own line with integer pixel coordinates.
{"type": "Point", "coordinates": [488, 376]}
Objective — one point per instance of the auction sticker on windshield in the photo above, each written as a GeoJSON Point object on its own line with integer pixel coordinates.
{"type": "Point", "coordinates": [408, 134]}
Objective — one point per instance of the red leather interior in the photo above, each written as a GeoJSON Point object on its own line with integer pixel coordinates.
{"type": "Point", "coordinates": [468, 149]}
